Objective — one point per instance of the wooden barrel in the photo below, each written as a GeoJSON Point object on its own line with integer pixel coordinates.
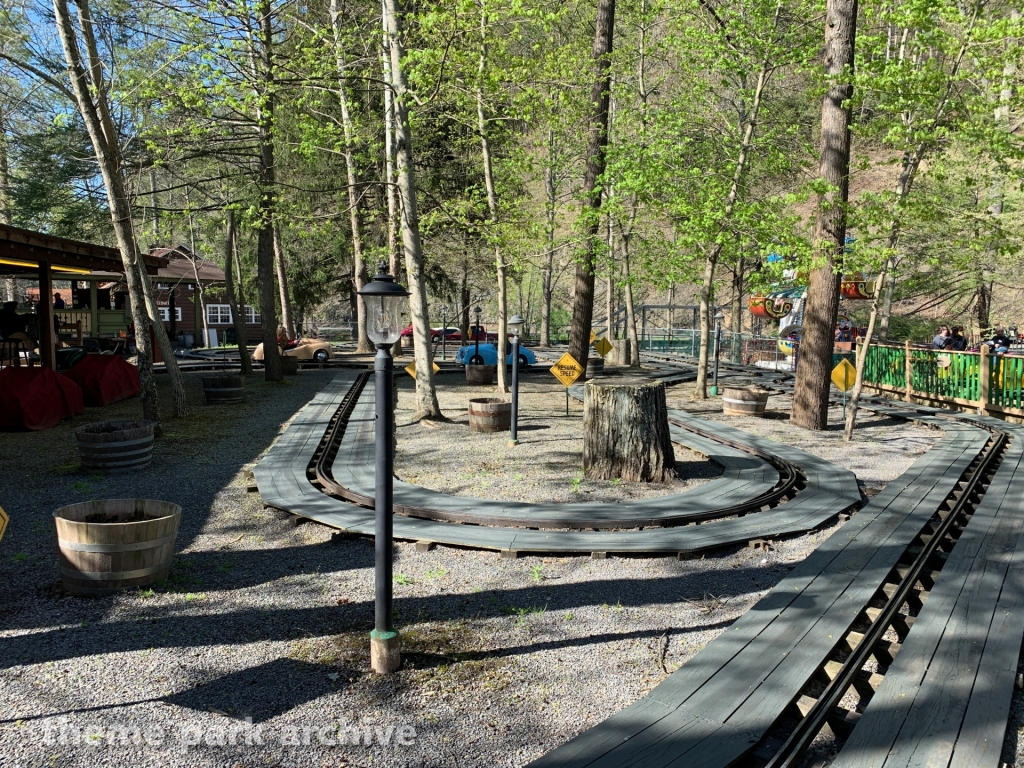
{"type": "Point", "coordinates": [114, 544]}
{"type": "Point", "coordinates": [116, 445]}
{"type": "Point", "coordinates": [490, 414]}
{"type": "Point", "coordinates": [289, 365]}
{"type": "Point", "coordinates": [744, 401]}
{"type": "Point", "coordinates": [595, 367]}
{"type": "Point", "coordinates": [224, 389]}
{"type": "Point", "coordinates": [480, 374]}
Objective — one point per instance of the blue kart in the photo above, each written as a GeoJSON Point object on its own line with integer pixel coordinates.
{"type": "Point", "coordinates": [489, 353]}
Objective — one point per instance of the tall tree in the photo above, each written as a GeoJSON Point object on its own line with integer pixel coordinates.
{"type": "Point", "coordinates": [427, 406]}
{"type": "Point", "coordinates": [811, 394]}
{"type": "Point", "coordinates": [600, 94]}
{"type": "Point", "coordinates": [89, 92]}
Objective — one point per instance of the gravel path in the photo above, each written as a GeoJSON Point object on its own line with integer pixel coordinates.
{"type": "Point", "coordinates": [503, 659]}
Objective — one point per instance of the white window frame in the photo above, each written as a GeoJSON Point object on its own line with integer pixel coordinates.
{"type": "Point", "coordinates": [165, 314]}
{"type": "Point", "coordinates": [252, 317]}
{"type": "Point", "coordinates": [218, 314]}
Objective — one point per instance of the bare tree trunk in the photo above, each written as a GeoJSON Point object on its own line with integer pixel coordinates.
{"type": "Point", "coordinates": [90, 94]}
{"type": "Point", "coordinates": [281, 265]}
{"type": "Point", "coordinates": [360, 272]}
{"type": "Point", "coordinates": [267, 197]}
{"type": "Point", "coordinates": [810, 399]}
{"type": "Point", "coordinates": [5, 205]}
{"type": "Point", "coordinates": [549, 255]}
{"type": "Point", "coordinates": [492, 208]}
{"type": "Point", "coordinates": [200, 294]}
{"type": "Point", "coordinates": [583, 295]}
{"type": "Point", "coordinates": [237, 307]}
{"type": "Point", "coordinates": [427, 406]}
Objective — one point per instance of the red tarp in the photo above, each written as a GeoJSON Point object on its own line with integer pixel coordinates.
{"type": "Point", "coordinates": [105, 379]}
{"type": "Point", "coordinates": [37, 398]}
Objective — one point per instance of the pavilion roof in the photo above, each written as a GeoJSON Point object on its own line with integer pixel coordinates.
{"type": "Point", "coordinates": [22, 249]}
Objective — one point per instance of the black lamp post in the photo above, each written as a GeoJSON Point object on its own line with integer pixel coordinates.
{"type": "Point", "coordinates": [444, 331]}
{"type": "Point", "coordinates": [515, 327]}
{"type": "Point", "coordinates": [384, 303]}
{"type": "Point", "coordinates": [476, 359]}
{"type": "Point", "coordinates": [719, 317]}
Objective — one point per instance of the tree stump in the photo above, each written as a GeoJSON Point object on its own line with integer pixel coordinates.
{"type": "Point", "coordinates": [625, 431]}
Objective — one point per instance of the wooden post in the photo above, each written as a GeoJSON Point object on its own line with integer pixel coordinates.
{"type": "Point", "coordinates": [625, 431]}
{"type": "Point", "coordinates": [78, 328]}
{"type": "Point", "coordinates": [908, 372]}
{"type": "Point", "coordinates": [45, 316]}
{"type": "Point", "coordinates": [984, 378]}
{"type": "Point", "coordinates": [94, 310]}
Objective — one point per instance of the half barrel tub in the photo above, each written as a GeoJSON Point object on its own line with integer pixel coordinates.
{"type": "Point", "coordinates": [744, 401]}
{"type": "Point", "coordinates": [595, 367]}
{"type": "Point", "coordinates": [224, 389]}
{"type": "Point", "coordinates": [114, 544]}
{"type": "Point", "coordinates": [116, 445]}
{"type": "Point", "coordinates": [289, 365]}
{"type": "Point", "coordinates": [490, 414]}
{"type": "Point", "coordinates": [480, 374]}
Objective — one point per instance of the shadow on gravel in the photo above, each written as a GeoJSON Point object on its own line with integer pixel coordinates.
{"type": "Point", "coordinates": [164, 628]}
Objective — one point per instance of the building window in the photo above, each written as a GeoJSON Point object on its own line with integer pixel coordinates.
{"type": "Point", "coordinates": [251, 316]}
{"type": "Point", "coordinates": [218, 314]}
{"type": "Point", "coordinates": [165, 314]}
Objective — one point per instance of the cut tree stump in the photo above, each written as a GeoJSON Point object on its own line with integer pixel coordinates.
{"type": "Point", "coordinates": [625, 431]}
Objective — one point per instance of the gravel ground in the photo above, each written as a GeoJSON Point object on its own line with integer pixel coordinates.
{"type": "Point", "coordinates": [545, 466]}
{"type": "Point", "coordinates": [504, 660]}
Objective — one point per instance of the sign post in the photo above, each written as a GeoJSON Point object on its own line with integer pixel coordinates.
{"type": "Point", "coordinates": [844, 376]}
{"type": "Point", "coordinates": [567, 370]}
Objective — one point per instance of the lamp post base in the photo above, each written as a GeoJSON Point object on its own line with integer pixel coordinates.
{"type": "Point", "coordinates": [385, 652]}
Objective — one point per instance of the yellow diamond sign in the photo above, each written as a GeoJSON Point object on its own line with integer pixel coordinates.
{"type": "Point", "coordinates": [603, 346]}
{"type": "Point", "coordinates": [567, 370]}
{"type": "Point", "coordinates": [593, 337]}
{"type": "Point", "coordinates": [411, 368]}
{"type": "Point", "coordinates": [844, 375]}
{"type": "Point", "coordinates": [3, 522]}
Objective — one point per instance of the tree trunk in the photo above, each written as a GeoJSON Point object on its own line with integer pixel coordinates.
{"type": "Point", "coordinates": [265, 271]}
{"type": "Point", "coordinates": [200, 295]}
{"type": "Point", "coordinates": [810, 399]}
{"type": "Point", "coordinates": [492, 208]}
{"type": "Point", "coordinates": [361, 275]}
{"type": "Point", "coordinates": [625, 431]}
{"type": "Point", "coordinates": [9, 288]}
{"type": "Point", "coordinates": [90, 94]}
{"type": "Point", "coordinates": [583, 295]}
{"type": "Point", "coordinates": [237, 308]}
{"type": "Point", "coordinates": [281, 266]}
{"type": "Point", "coordinates": [427, 406]}
{"type": "Point", "coordinates": [549, 255]}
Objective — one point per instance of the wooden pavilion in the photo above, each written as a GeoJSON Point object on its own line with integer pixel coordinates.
{"type": "Point", "coordinates": [26, 254]}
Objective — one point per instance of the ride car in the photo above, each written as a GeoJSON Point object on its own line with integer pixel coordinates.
{"type": "Point", "coordinates": [317, 350]}
{"type": "Point", "coordinates": [489, 352]}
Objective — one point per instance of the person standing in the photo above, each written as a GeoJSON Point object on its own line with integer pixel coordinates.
{"type": "Point", "coordinates": [958, 342]}
{"type": "Point", "coordinates": [939, 342]}
{"type": "Point", "coordinates": [58, 302]}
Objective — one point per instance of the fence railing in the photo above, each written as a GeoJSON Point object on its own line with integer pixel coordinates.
{"type": "Point", "coordinates": [986, 380]}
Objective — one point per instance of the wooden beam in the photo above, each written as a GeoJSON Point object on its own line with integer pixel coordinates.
{"type": "Point", "coordinates": [44, 313]}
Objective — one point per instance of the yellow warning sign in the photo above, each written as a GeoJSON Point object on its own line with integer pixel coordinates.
{"type": "Point", "coordinates": [593, 337]}
{"type": "Point", "coordinates": [567, 370]}
{"type": "Point", "coordinates": [411, 368]}
{"type": "Point", "coordinates": [3, 522]}
{"type": "Point", "coordinates": [603, 346]}
{"type": "Point", "coordinates": [844, 375]}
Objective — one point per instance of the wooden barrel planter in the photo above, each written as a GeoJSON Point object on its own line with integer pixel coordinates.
{"type": "Point", "coordinates": [116, 445]}
{"type": "Point", "coordinates": [224, 389]}
{"type": "Point", "coordinates": [744, 401]}
{"type": "Point", "coordinates": [480, 374]}
{"type": "Point", "coordinates": [114, 544]}
{"type": "Point", "coordinates": [490, 414]}
{"type": "Point", "coordinates": [595, 367]}
{"type": "Point", "coordinates": [289, 365]}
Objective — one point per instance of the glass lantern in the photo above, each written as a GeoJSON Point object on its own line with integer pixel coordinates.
{"type": "Point", "coordinates": [515, 325]}
{"type": "Point", "coordinates": [385, 305]}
